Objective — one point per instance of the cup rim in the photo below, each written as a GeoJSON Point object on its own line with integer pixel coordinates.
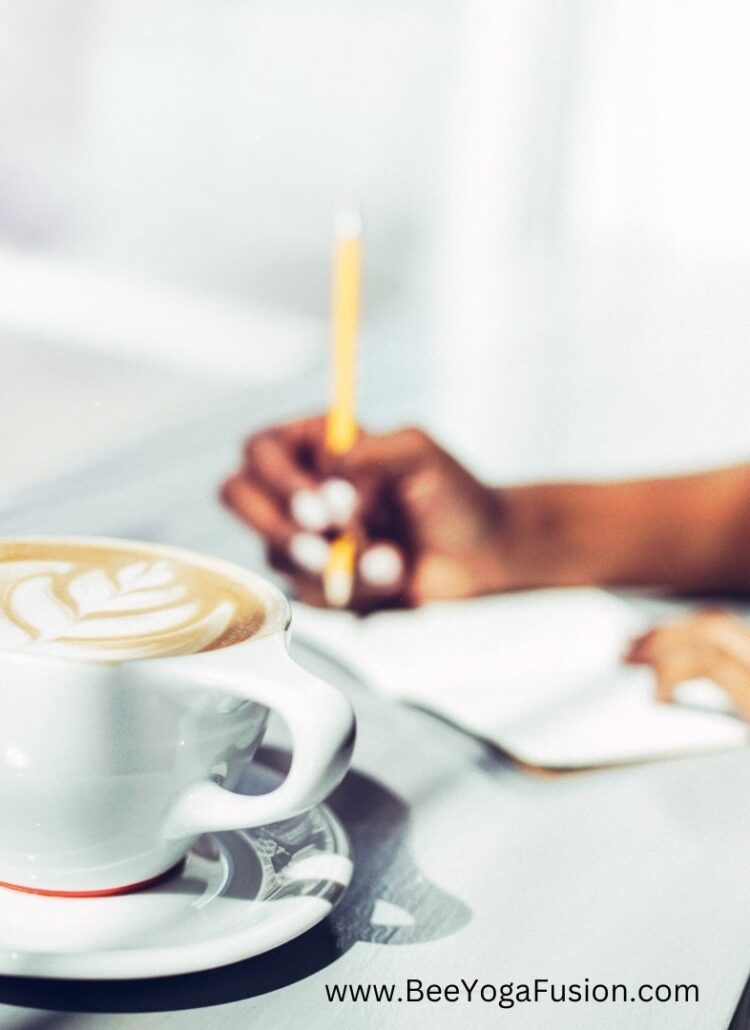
{"type": "Point", "coordinates": [278, 613]}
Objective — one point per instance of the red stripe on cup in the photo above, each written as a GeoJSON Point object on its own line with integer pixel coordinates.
{"type": "Point", "coordinates": [107, 892]}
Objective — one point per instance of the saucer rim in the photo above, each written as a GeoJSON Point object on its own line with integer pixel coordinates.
{"type": "Point", "coordinates": [151, 963]}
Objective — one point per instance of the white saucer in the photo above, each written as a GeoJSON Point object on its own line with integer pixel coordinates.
{"type": "Point", "coordinates": [238, 894]}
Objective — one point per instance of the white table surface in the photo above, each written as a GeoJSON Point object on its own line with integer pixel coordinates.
{"type": "Point", "coordinates": [465, 866]}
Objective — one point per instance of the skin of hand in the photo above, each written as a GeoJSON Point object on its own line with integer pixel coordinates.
{"type": "Point", "coordinates": [447, 534]}
{"type": "Point", "coordinates": [714, 644]}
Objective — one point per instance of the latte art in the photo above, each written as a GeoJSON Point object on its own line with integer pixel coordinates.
{"type": "Point", "coordinates": [116, 604]}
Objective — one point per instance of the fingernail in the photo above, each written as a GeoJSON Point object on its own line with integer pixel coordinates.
{"type": "Point", "coordinates": [309, 510]}
{"type": "Point", "coordinates": [309, 551]}
{"type": "Point", "coordinates": [340, 498]}
{"type": "Point", "coordinates": [381, 565]}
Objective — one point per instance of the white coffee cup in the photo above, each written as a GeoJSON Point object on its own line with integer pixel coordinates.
{"type": "Point", "coordinates": [108, 771]}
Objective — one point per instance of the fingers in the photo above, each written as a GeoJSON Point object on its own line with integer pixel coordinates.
{"type": "Point", "coordinates": [286, 461]}
{"type": "Point", "coordinates": [720, 631]}
{"type": "Point", "coordinates": [382, 568]}
{"type": "Point", "coordinates": [715, 645]}
{"type": "Point", "coordinates": [675, 667]}
{"type": "Point", "coordinates": [309, 510]}
{"type": "Point", "coordinates": [259, 509]}
{"type": "Point", "coordinates": [340, 499]}
{"type": "Point", "coordinates": [731, 676]}
{"type": "Point", "coordinates": [331, 505]}
{"type": "Point", "coordinates": [727, 633]}
{"type": "Point", "coordinates": [734, 678]}
{"type": "Point", "coordinates": [290, 550]}
{"type": "Point", "coordinates": [305, 436]}
{"type": "Point", "coordinates": [309, 552]}
{"type": "Point", "coordinates": [296, 496]}
{"type": "Point", "coordinates": [380, 579]}
{"type": "Point", "coordinates": [270, 458]}
{"type": "Point", "coordinates": [640, 651]}
{"type": "Point", "coordinates": [395, 453]}
{"type": "Point", "coordinates": [321, 491]}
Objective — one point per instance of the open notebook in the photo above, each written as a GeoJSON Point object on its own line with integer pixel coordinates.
{"type": "Point", "coordinates": [538, 674]}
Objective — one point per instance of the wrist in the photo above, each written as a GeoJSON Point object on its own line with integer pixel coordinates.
{"type": "Point", "coordinates": [550, 536]}
{"type": "Point", "coordinates": [525, 525]}
{"type": "Point", "coordinates": [518, 543]}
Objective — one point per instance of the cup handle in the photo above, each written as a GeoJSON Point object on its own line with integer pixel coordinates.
{"type": "Point", "coordinates": [319, 718]}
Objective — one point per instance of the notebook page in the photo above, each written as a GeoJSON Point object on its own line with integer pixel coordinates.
{"type": "Point", "coordinates": [538, 674]}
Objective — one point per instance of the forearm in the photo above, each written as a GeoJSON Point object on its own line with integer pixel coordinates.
{"type": "Point", "coordinates": [688, 533]}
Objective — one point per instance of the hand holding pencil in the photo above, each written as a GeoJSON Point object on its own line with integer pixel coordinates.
{"type": "Point", "coordinates": [424, 527]}
{"type": "Point", "coordinates": [359, 520]}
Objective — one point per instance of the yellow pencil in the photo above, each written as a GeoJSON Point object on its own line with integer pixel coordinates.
{"type": "Point", "coordinates": [341, 424]}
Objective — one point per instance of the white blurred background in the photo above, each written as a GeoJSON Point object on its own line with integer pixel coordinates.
{"type": "Point", "coordinates": [555, 194]}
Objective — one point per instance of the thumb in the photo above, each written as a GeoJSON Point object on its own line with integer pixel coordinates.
{"type": "Point", "coordinates": [394, 453]}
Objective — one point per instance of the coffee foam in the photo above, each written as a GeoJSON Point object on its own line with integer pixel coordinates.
{"type": "Point", "coordinates": [113, 603]}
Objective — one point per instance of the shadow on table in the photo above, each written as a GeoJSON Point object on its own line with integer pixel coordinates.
{"type": "Point", "coordinates": [388, 902]}
{"type": "Point", "coordinates": [741, 1017]}
{"type": "Point", "coordinates": [41, 1021]}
